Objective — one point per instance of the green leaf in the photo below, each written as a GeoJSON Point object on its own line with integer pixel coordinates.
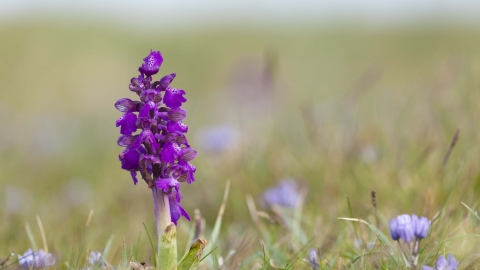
{"type": "Point", "coordinates": [191, 259]}
{"type": "Point", "coordinates": [168, 248]}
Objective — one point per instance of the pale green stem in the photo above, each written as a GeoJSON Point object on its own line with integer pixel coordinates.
{"type": "Point", "coordinates": [162, 210]}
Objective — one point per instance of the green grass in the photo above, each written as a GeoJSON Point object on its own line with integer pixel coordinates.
{"type": "Point", "coordinates": [334, 93]}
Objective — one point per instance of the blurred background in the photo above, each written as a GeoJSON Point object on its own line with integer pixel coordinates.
{"type": "Point", "coordinates": [343, 97]}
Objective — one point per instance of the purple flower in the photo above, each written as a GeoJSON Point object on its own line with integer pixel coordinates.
{"type": "Point", "coordinates": [176, 210]}
{"type": "Point", "coordinates": [177, 114]}
{"type": "Point", "coordinates": [95, 257]}
{"type": "Point", "coordinates": [127, 123]}
{"type": "Point", "coordinates": [183, 171]}
{"type": "Point", "coordinates": [402, 227]}
{"type": "Point", "coordinates": [313, 259]}
{"type": "Point", "coordinates": [130, 158]}
{"type": "Point", "coordinates": [449, 264]}
{"type": "Point", "coordinates": [284, 194]}
{"type": "Point", "coordinates": [36, 259]}
{"type": "Point", "coordinates": [179, 126]}
{"type": "Point", "coordinates": [190, 169]}
{"type": "Point", "coordinates": [174, 97]}
{"type": "Point", "coordinates": [420, 226]}
{"type": "Point", "coordinates": [126, 140]}
{"type": "Point", "coordinates": [408, 227]}
{"type": "Point", "coordinates": [151, 64]}
{"type": "Point", "coordinates": [125, 105]}
{"type": "Point", "coordinates": [160, 151]}
{"type": "Point", "coordinates": [166, 81]}
{"type": "Point", "coordinates": [188, 154]}
{"type": "Point", "coordinates": [166, 184]}
{"type": "Point", "coordinates": [217, 139]}
{"type": "Point", "coordinates": [394, 230]}
{"type": "Point", "coordinates": [147, 108]}
{"type": "Point", "coordinates": [170, 152]}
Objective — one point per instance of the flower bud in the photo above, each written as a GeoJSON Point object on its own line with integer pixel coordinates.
{"type": "Point", "coordinates": [188, 154]}
{"type": "Point", "coordinates": [125, 105]}
{"type": "Point", "coordinates": [420, 226]}
{"type": "Point", "coordinates": [177, 114]}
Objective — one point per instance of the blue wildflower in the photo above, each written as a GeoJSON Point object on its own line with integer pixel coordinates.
{"type": "Point", "coordinates": [444, 264]}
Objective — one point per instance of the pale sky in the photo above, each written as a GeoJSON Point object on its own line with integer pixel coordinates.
{"type": "Point", "coordinates": [172, 14]}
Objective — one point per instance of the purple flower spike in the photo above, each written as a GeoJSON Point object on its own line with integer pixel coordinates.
{"type": "Point", "coordinates": [420, 226]}
{"type": "Point", "coordinates": [160, 151]}
{"type": "Point", "coordinates": [151, 63]}
{"type": "Point", "coordinates": [174, 97]}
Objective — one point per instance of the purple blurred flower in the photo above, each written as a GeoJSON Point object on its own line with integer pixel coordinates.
{"type": "Point", "coordinates": [420, 226]}
{"type": "Point", "coordinates": [95, 257]}
{"type": "Point", "coordinates": [284, 194]}
{"type": "Point", "coordinates": [444, 264]}
{"type": "Point", "coordinates": [313, 259]}
{"type": "Point", "coordinates": [218, 138]}
{"type": "Point", "coordinates": [36, 259]}
{"type": "Point", "coordinates": [402, 227]}
{"type": "Point", "coordinates": [394, 230]}
{"type": "Point", "coordinates": [409, 227]}
{"type": "Point", "coordinates": [160, 151]}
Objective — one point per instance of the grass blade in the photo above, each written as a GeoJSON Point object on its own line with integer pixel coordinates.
{"type": "Point", "coordinates": [473, 212]}
{"type": "Point", "coordinates": [218, 222]}
{"type": "Point", "coordinates": [124, 254]}
{"type": "Point", "coordinates": [30, 236]}
{"type": "Point", "coordinates": [380, 236]}
{"type": "Point", "coordinates": [155, 259]}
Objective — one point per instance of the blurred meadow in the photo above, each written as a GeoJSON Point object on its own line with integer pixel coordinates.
{"type": "Point", "coordinates": [342, 109]}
